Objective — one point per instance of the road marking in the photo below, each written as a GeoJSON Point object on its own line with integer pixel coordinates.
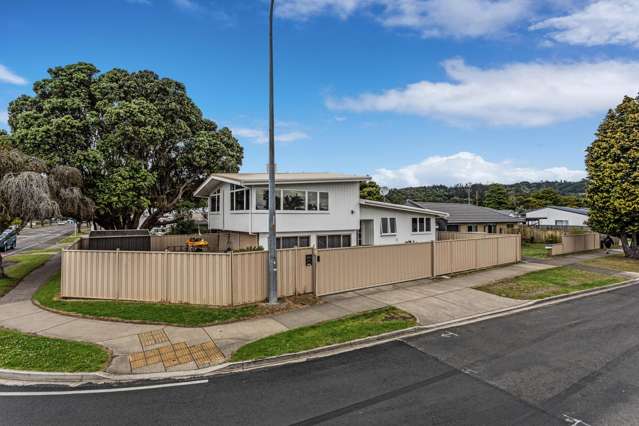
{"type": "Point", "coordinates": [114, 390]}
{"type": "Point", "coordinates": [469, 371]}
{"type": "Point", "coordinates": [573, 421]}
{"type": "Point", "coordinates": [449, 334]}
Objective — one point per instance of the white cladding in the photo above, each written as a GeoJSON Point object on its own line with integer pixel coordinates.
{"type": "Point", "coordinates": [342, 214]}
{"type": "Point", "coordinates": [558, 217]}
{"type": "Point", "coordinates": [404, 232]}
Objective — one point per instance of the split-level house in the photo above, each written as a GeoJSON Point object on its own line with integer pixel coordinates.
{"type": "Point", "coordinates": [313, 209]}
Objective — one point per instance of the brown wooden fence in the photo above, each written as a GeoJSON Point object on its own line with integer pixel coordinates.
{"type": "Point", "coordinates": [220, 279]}
{"type": "Point", "coordinates": [340, 270]}
{"type": "Point", "coordinates": [224, 279]}
{"type": "Point", "coordinates": [576, 243]}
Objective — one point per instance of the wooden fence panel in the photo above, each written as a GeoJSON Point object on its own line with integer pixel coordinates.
{"type": "Point", "coordinates": [90, 274]}
{"type": "Point", "coordinates": [575, 244]}
{"type": "Point", "coordinates": [352, 268]}
{"type": "Point", "coordinates": [199, 278]}
{"type": "Point", "coordinates": [249, 277]}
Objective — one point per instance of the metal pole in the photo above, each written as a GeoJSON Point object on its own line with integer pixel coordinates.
{"type": "Point", "coordinates": [272, 243]}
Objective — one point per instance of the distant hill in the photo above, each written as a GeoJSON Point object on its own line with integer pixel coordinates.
{"type": "Point", "coordinates": [520, 193]}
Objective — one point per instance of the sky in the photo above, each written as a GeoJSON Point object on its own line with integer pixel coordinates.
{"type": "Point", "coordinates": [411, 92]}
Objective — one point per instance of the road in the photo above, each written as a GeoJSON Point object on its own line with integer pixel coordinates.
{"type": "Point", "coordinates": [572, 363]}
{"type": "Point", "coordinates": [40, 237]}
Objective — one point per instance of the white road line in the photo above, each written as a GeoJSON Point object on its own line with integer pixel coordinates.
{"type": "Point", "coordinates": [114, 390]}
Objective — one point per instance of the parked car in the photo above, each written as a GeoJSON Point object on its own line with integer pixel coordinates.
{"type": "Point", "coordinates": [8, 239]}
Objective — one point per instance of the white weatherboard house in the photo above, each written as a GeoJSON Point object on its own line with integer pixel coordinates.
{"type": "Point", "coordinates": [558, 216]}
{"type": "Point", "coordinates": [313, 209]}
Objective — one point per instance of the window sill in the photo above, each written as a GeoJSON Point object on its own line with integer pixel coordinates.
{"type": "Point", "coordinates": [291, 212]}
{"type": "Point", "coordinates": [388, 235]}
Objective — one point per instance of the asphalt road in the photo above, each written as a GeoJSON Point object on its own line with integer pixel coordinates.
{"type": "Point", "coordinates": [572, 363]}
{"type": "Point", "coordinates": [40, 237]}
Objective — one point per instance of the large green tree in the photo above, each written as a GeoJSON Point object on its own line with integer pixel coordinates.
{"type": "Point", "coordinates": [141, 143]}
{"type": "Point", "coordinates": [612, 162]}
{"type": "Point", "coordinates": [370, 191]}
{"type": "Point", "coordinates": [496, 197]}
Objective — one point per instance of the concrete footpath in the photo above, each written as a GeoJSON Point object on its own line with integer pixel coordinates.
{"type": "Point", "coordinates": [138, 348]}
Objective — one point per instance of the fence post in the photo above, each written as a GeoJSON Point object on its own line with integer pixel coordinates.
{"type": "Point", "coordinates": [432, 258]}
{"type": "Point", "coordinates": [230, 277]}
{"type": "Point", "coordinates": [165, 271]}
{"type": "Point", "coordinates": [314, 270]}
{"type": "Point", "coordinates": [120, 274]}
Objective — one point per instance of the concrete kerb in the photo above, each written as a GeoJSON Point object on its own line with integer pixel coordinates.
{"type": "Point", "coordinates": [26, 378]}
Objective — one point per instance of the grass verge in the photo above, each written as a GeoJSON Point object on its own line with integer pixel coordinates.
{"type": "Point", "coordinates": [549, 282]}
{"type": "Point", "coordinates": [537, 250]}
{"type": "Point", "coordinates": [159, 313]}
{"type": "Point", "coordinates": [19, 267]}
{"type": "Point", "coordinates": [617, 262]}
{"type": "Point", "coordinates": [19, 351]}
{"type": "Point", "coordinates": [327, 333]}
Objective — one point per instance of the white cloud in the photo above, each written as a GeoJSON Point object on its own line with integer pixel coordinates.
{"type": "Point", "coordinates": [599, 23]}
{"type": "Point", "coordinates": [260, 136]}
{"type": "Point", "coordinates": [187, 4]}
{"type": "Point", "coordinates": [466, 167]}
{"type": "Point", "coordinates": [430, 18]}
{"type": "Point", "coordinates": [144, 2]}
{"type": "Point", "coordinates": [519, 94]}
{"type": "Point", "coordinates": [8, 76]}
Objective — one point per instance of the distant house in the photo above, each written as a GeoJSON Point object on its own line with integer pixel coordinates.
{"type": "Point", "coordinates": [313, 209]}
{"type": "Point", "coordinates": [471, 218]}
{"type": "Point", "coordinates": [558, 216]}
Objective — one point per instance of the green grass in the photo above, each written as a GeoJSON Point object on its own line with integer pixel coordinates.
{"type": "Point", "coordinates": [161, 313]}
{"type": "Point", "coordinates": [327, 333]}
{"type": "Point", "coordinates": [537, 250]}
{"type": "Point", "coordinates": [616, 262]}
{"type": "Point", "coordinates": [19, 351]}
{"type": "Point", "coordinates": [69, 239]}
{"type": "Point", "coordinates": [21, 265]}
{"type": "Point", "coordinates": [550, 282]}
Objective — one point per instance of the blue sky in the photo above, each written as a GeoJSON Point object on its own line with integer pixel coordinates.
{"type": "Point", "coordinates": [409, 91]}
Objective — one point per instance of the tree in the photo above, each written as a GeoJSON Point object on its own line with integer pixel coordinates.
{"type": "Point", "coordinates": [496, 197]}
{"type": "Point", "coordinates": [545, 197]}
{"type": "Point", "coordinates": [370, 191]}
{"type": "Point", "coordinates": [612, 163]}
{"type": "Point", "coordinates": [140, 142]}
{"type": "Point", "coordinates": [29, 189]}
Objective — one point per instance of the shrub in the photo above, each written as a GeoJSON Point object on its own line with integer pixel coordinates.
{"type": "Point", "coordinates": [249, 248]}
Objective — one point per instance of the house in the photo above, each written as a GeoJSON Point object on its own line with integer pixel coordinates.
{"type": "Point", "coordinates": [313, 209]}
{"type": "Point", "coordinates": [558, 216]}
{"type": "Point", "coordinates": [471, 218]}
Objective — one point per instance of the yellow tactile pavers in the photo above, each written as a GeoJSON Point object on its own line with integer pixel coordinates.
{"type": "Point", "coordinates": [154, 337]}
{"type": "Point", "coordinates": [172, 354]}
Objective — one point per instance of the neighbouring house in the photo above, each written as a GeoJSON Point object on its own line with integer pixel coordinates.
{"type": "Point", "coordinates": [471, 218]}
{"type": "Point", "coordinates": [558, 216]}
{"type": "Point", "coordinates": [313, 209]}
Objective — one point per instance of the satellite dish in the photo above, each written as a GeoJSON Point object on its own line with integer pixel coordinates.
{"type": "Point", "coordinates": [384, 191]}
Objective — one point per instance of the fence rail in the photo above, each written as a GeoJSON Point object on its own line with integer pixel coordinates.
{"type": "Point", "coordinates": [225, 279]}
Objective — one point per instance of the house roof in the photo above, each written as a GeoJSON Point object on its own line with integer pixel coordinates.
{"type": "Point", "coordinates": [467, 213]}
{"type": "Point", "coordinates": [401, 207]}
{"type": "Point", "coordinates": [582, 211]}
{"type": "Point", "coordinates": [247, 179]}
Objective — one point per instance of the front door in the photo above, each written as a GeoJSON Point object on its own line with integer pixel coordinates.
{"type": "Point", "coordinates": [365, 235]}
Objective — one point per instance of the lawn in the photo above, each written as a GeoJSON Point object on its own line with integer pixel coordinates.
{"type": "Point", "coordinates": [160, 313]}
{"type": "Point", "coordinates": [19, 351]}
{"type": "Point", "coordinates": [537, 250]}
{"type": "Point", "coordinates": [550, 282]}
{"type": "Point", "coordinates": [327, 333]}
{"type": "Point", "coordinates": [616, 262]}
{"type": "Point", "coordinates": [19, 266]}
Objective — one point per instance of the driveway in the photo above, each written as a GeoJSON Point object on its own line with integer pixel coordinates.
{"type": "Point", "coordinates": [572, 363]}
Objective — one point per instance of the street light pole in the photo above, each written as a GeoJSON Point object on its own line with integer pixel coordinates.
{"type": "Point", "coordinates": [272, 242]}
